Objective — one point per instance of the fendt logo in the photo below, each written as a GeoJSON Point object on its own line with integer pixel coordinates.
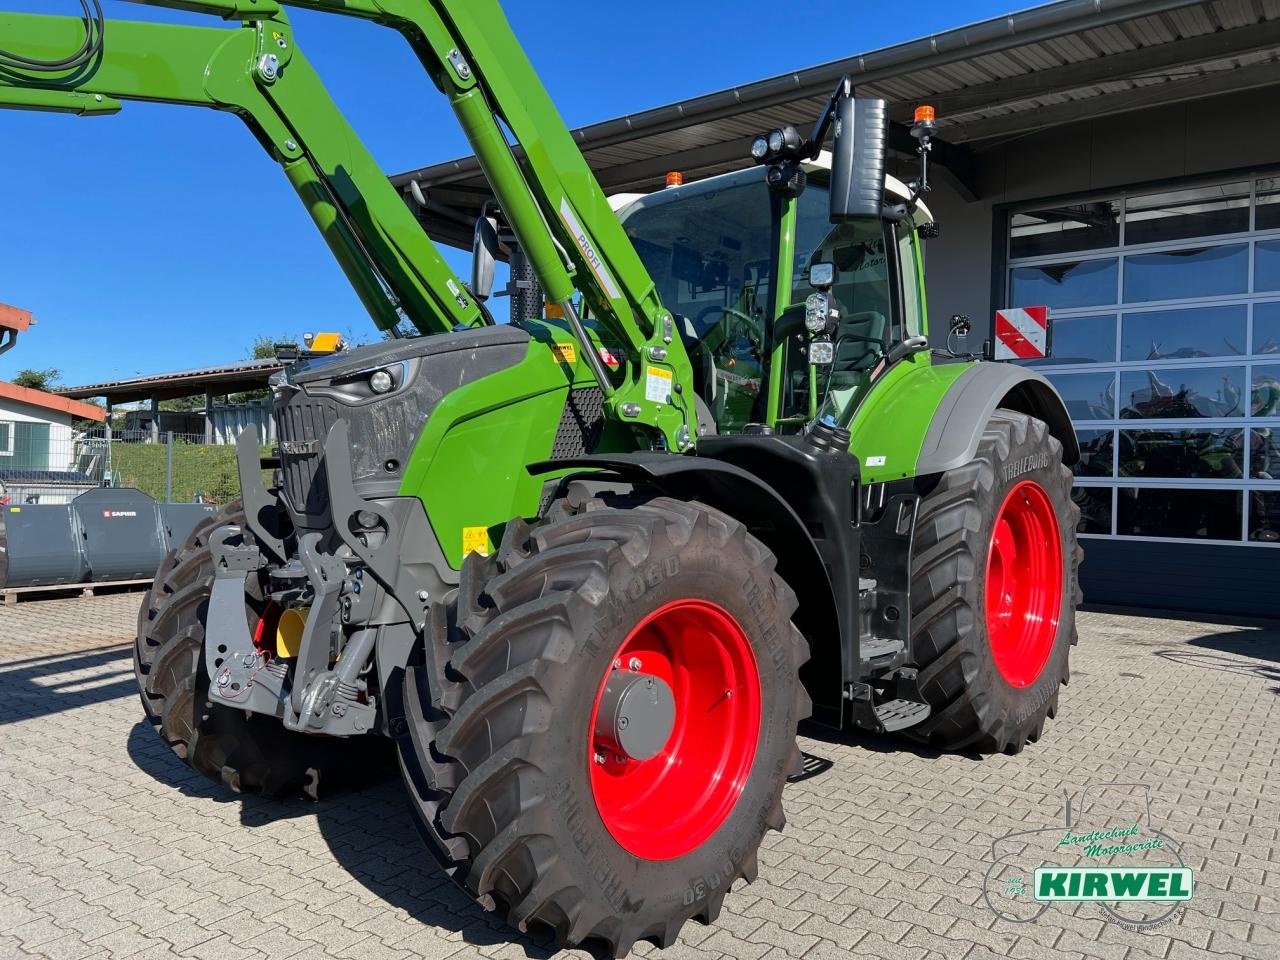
{"type": "Point", "coordinates": [1093, 885]}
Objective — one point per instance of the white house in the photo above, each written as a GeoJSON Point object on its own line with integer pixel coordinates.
{"type": "Point", "coordinates": [35, 430]}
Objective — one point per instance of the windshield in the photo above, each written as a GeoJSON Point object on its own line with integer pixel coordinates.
{"type": "Point", "coordinates": [709, 248]}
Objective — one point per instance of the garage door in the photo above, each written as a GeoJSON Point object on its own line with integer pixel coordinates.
{"type": "Point", "coordinates": [1166, 311]}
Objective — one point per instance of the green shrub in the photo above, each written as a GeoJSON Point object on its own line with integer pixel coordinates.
{"type": "Point", "coordinates": [197, 469]}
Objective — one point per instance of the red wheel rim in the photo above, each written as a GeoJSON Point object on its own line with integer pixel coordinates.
{"type": "Point", "coordinates": [1024, 584]}
{"type": "Point", "coordinates": [665, 806]}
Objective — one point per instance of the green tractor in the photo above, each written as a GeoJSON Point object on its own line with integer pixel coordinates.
{"type": "Point", "coordinates": [588, 570]}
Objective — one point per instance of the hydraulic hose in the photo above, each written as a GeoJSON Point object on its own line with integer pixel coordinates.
{"type": "Point", "coordinates": [93, 21]}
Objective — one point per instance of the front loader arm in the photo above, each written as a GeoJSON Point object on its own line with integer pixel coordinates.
{"type": "Point", "coordinates": [549, 196]}
{"type": "Point", "coordinates": [257, 72]}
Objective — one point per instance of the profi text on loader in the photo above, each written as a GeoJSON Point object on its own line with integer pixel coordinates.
{"type": "Point", "coordinates": [589, 620]}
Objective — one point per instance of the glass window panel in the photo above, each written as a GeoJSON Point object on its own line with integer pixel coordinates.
{"type": "Point", "coordinates": [1188, 514]}
{"type": "Point", "coordinates": [1265, 395]}
{"type": "Point", "coordinates": [1087, 283]}
{"type": "Point", "coordinates": [1095, 509]}
{"type": "Point", "coordinates": [1096, 447]}
{"type": "Point", "coordinates": [1264, 516]}
{"type": "Point", "coordinates": [1178, 454]}
{"type": "Point", "coordinates": [1182, 214]}
{"type": "Point", "coordinates": [1182, 392]}
{"type": "Point", "coordinates": [1266, 267]}
{"type": "Point", "coordinates": [1082, 340]}
{"type": "Point", "coordinates": [1266, 327]}
{"type": "Point", "coordinates": [1066, 229]}
{"type": "Point", "coordinates": [1267, 216]}
{"type": "Point", "coordinates": [1088, 396]}
{"type": "Point", "coordinates": [1264, 453]}
{"type": "Point", "coordinates": [1184, 334]}
{"type": "Point", "coordinates": [1181, 274]}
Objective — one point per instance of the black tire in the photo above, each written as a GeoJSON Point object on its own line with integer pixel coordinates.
{"type": "Point", "coordinates": [495, 755]}
{"type": "Point", "coordinates": [249, 754]}
{"type": "Point", "coordinates": [974, 707]}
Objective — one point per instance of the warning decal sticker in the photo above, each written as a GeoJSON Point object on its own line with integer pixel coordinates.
{"type": "Point", "coordinates": [657, 385]}
{"type": "Point", "coordinates": [475, 540]}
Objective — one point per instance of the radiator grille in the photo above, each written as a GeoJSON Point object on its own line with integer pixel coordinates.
{"type": "Point", "coordinates": [302, 424]}
{"type": "Point", "coordinates": [581, 424]}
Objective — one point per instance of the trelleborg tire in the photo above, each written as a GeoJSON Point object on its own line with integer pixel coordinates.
{"type": "Point", "coordinates": [517, 795]}
{"type": "Point", "coordinates": [995, 585]}
{"type": "Point", "coordinates": [255, 753]}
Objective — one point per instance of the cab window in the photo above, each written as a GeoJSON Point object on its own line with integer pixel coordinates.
{"type": "Point", "coordinates": [867, 297]}
{"type": "Point", "coordinates": [710, 253]}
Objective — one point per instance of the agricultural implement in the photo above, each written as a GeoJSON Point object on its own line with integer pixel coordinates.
{"type": "Point", "coordinates": [589, 569]}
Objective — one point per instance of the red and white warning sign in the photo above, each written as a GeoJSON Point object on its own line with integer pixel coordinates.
{"type": "Point", "coordinates": [1022, 333]}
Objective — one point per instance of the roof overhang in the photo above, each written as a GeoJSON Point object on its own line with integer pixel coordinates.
{"type": "Point", "coordinates": [231, 378]}
{"type": "Point", "coordinates": [51, 401]}
{"type": "Point", "coordinates": [14, 318]}
{"type": "Point", "coordinates": [990, 82]}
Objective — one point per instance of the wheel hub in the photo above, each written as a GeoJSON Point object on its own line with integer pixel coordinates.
{"type": "Point", "coordinates": [674, 729]}
{"type": "Point", "coordinates": [1024, 584]}
{"type": "Point", "coordinates": [636, 715]}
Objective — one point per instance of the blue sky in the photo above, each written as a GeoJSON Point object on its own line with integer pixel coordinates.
{"type": "Point", "coordinates": [163, 238]}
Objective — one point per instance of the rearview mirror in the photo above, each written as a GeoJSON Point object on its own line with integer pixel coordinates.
{"type": "Point", "coordinates": [858, 158]}
{"type": "Point", "coordinates": [484, 256]}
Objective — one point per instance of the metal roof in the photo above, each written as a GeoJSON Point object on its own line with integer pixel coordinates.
{"type": "Point", "coordinates": [225, 378]}
{"type": "Point", "coordinates": [990, 81]}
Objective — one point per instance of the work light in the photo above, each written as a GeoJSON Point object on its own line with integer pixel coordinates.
{"type": "Point", "coordinates": [817, 310]}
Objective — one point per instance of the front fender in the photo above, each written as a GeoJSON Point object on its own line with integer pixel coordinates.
{"type": "Point", "coordinates": [770, 518]}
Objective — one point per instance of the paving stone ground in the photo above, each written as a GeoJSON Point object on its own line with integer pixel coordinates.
{"type": "Point", "coordinates": [109, 847]}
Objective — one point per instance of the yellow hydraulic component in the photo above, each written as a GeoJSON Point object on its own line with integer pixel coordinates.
{"type": "Point", "coordinates": [289, 631]}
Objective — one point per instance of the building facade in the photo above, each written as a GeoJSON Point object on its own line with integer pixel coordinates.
{"type": "Point", "coordinates": [1154, 237]}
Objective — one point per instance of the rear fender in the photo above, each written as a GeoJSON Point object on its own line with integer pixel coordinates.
{"type": "Point", "coordinates": [922, 419]}
{"type": "Point", "coordinates": [957, 427]}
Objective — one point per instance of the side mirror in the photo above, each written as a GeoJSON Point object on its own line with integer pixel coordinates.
{"type": "Point", "coordinates": [484, 256]}
{"type": "Point", "coordinates": [858, 158]}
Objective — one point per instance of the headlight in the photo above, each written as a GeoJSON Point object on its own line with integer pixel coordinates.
{"type": "Point", "coordinates": [775, 141]}
{"type": "Point", "coordinates": [759, 148]}
{"type": "Point", "coordinates": [817, 309]}
{"type": "Point", "coordinates": [380, 381]}
{"type": "Point", "coordinates": [822, 352]}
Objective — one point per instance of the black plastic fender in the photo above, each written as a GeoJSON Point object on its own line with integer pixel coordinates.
{"type": "Point", "coordinates": [770, 518]}
{"type": "Point", "coordinates": [962, 416]}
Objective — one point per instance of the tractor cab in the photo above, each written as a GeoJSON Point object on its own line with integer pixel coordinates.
{"type": "Point", "coordinates": [716, 249]}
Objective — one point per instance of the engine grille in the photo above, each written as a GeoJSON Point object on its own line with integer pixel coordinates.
{"type": "Point", "coordinates": [581, 424]}
{"type": "Point", "coordinates": [302, 423]}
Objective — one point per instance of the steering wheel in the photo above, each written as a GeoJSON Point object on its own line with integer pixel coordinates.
{"type": "Point", "coordinates": [747, 321]}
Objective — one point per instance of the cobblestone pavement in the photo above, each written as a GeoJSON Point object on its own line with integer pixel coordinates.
{"type": "Point", "coordinates": [109, 847]}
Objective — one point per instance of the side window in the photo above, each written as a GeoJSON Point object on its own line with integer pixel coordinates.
{"type": "Point", "coordinates": [6, 439]}
{"type": "Point", "coordinates": [913, 317]}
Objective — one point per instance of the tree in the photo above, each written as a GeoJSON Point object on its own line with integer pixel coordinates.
{"type": "Point", "coordinates": [38, 379]}
{"type": "Point", "coordinates": [264, 347]}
